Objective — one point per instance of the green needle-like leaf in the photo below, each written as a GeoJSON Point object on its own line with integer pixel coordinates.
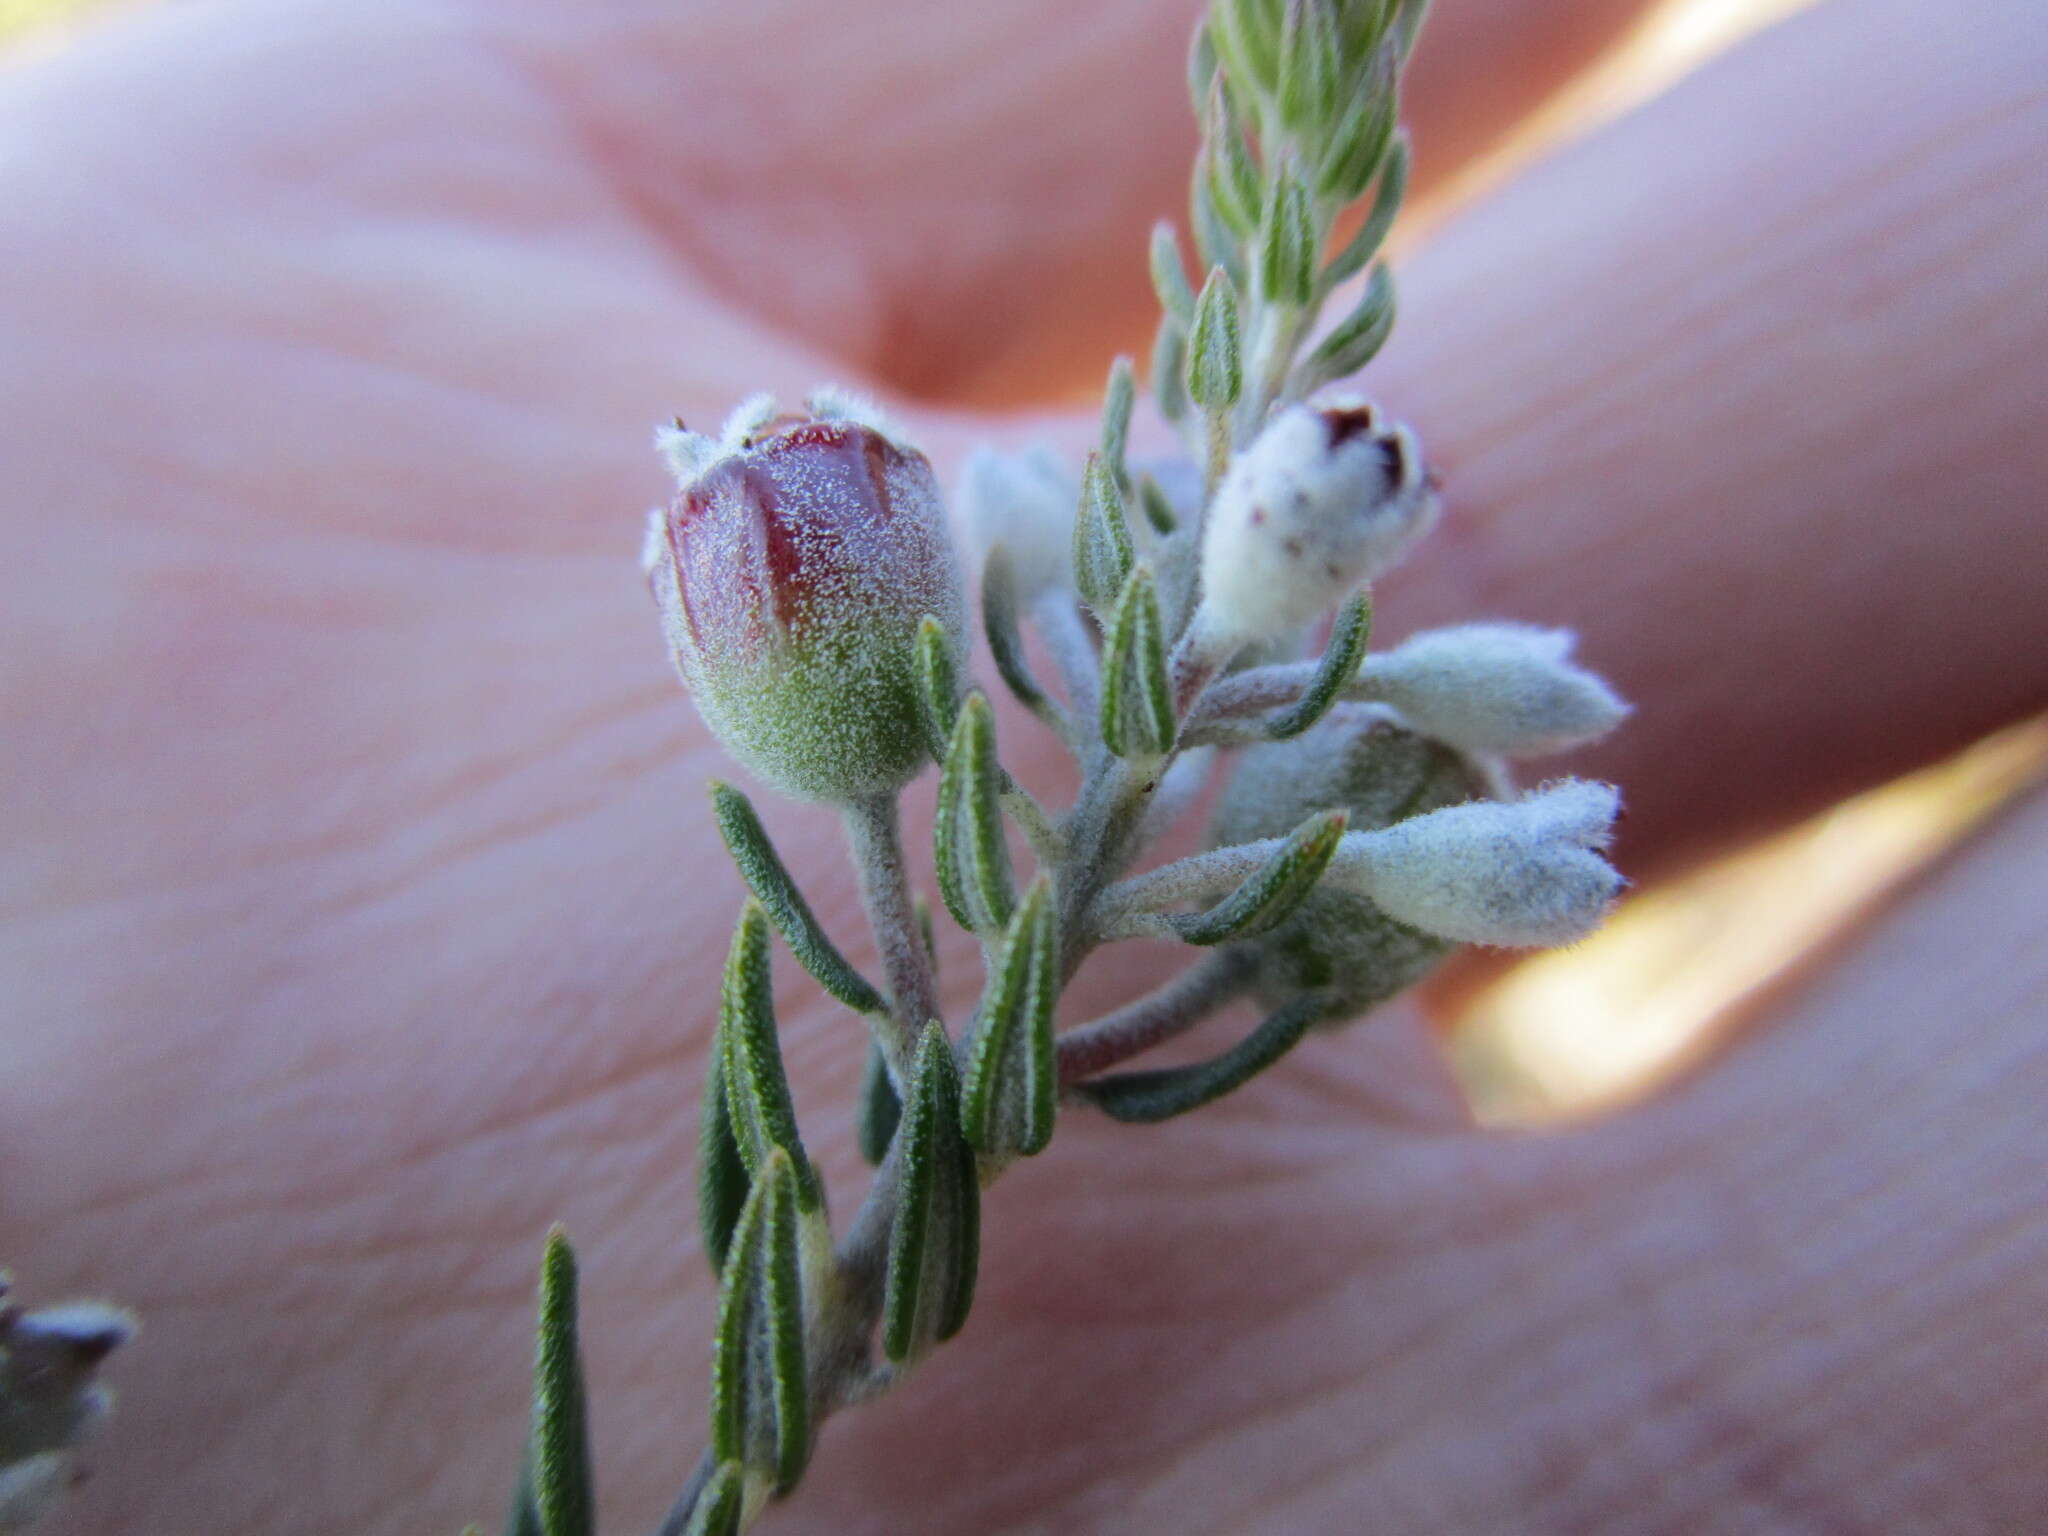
{"type": "Point", "coordinates": [1288, 246]}
{"type": "Point", "coordinates": [1169, 277]}
{"type": "Point", "coordinates": [558, 1458]}
{"type": "Point", "coordinates": [1118, 398]}
{"type": "Point", "coordinates": [1202, 67]}
{"type": "Point", "coordinates": [876, 1119]}
{"type": "Point", "coordinates": [1311, 67]}
{"type": "Point", "coordinates": [938, 690]}
{"type": "Point", "coordinates": [1358, 143]}
{"type": "Point", "coordinates": [1358, 339]}
{"type": "Point", "coordinates": [721, 1171]}
{"type": "Point", "coordinates": [1143, 1097]}
{"type": "Point", "coordinates": [760, 1402]}
{"type": "Point", "coordinates": [1005, 637]}
{"type": "Point", "coordinates": [1348, 639]}
{"type": "Point", "coordinates": [1379, 222]}
{"type": "Point", "coordinates": [1246, 36]}
{"type": "Point", "coordinates": [1270, 895]}
{"type": "Point", "coordinates": [1158, 508]}
{"type": "Point", "coordinates": [719, 1503]}
{"type": "Point", "coordinates": [1008, 1099]}
{"type": "Point", "coordinates": [760, 866]}
{"type": "Point", "coordinates": [1102, 536]}
{"type": "Point", "coordinates": [1215, 369]}
{"type": "Point", "coordinates": [1137, 694]}
{"type": "Point", "coordinates": [973, 860]}
{"type": "Point", "coordinates": [936, 1241]}
{"type": "Point", "coordinates": [1215, 242]}
{"type": "Point", "coordinates": [756, 1091]}
{"type": "Point", "coordinates": [1170, 367]}
{"type": "Point", "coordinates": [1234, 178]}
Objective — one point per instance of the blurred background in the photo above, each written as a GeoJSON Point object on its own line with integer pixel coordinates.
{"type": "Point", "coordinates": [1576, 1032]}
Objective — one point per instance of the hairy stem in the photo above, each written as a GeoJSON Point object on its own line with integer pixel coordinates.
{"type": "Point", "coordinates": [872, 829]}
{"type": "Point", "coordinates": [1156, 1017]}
{"type": "Point", "coordinates": [1198, 877]}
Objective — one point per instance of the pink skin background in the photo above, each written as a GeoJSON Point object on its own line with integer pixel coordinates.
{"type": "Point", "coordinates": [360, 909]}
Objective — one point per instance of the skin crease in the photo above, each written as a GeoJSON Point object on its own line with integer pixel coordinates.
{"type": "Point", "coordinates": [359, 901]}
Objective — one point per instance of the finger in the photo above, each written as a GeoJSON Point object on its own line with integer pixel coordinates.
{"type": "Point", "coordinates": [1747, 389]}
{"type": "Point", "coordinates": [954, 199]}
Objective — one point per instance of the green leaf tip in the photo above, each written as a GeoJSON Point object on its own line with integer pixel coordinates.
{"type": "Point", "coordinates": [722, 1177]}
{"type": "Point", "coordinates": [1102, 535]}
{"type": "Point", "coordinates": [757, 1100]}
{"type": "Point", "coordinates": [760, 1402]}
{"type": "Point", "coordinates": [769, 879]}
{"type": "Point", "coordinates": [967, 839]}
{"type": "Point", "coordinates": [1119, 397]}
{"type": "Point", "coordinates": [1270, 894]}
{"type": "Point", "coordinates": [1170, 276]}
{"type": "Point", "coordinates": [1137, 693]}
{"type": "Point", "coordinates": [938, 679]}
{"type": "Point", "coordinates": [1140, 1098]}
{"type": "Point", "coordinates": [1010, 1094]}
{"type": "Point", "coordinates": [1349, 637]}
{"type": "Point", "coordinates": [1358, 337]}
{"type": "Point", "coordinates": [1215, 364]}
{"type": "Point", "coordinates": [558, 1456]}
{"type": "Point", "coordinates": [1288, 252]}
{"type": "Point", "coordinates": [935, 1242]}
{"type": "Point", "coordinates": [999, 622]}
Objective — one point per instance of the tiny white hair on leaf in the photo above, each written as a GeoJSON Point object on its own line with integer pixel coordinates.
{"type": "Point", "coordinates": [835, 402]}
{"type": "Point", "coordinates": [688, 454]}
{"type": "Point", "coordinates": [746, 419]}
{"type": "Point", "coordinates": [1499, 688]}
{"type": "Point", "coordinates": [1520, 874]}
{"type": "Point", "coordinates": [1023, 499]}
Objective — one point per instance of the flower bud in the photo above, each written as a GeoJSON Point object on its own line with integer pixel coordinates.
{"type": "Point", "coordinates": [1025, 502]}
{"type": "Point", "coordinates": [1519, 873]}
{"type": "Point", "coordinates": [1360, 759]}
{"type": "Point", "coordinates": [1325, 498]}
{"type": "Point", "coordinates": [792, 571]}
{"type": "Point", "coordinates": [1505, 688]}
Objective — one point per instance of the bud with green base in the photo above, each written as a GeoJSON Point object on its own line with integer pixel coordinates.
{"type": "Point", "coordinates": [792, 571]}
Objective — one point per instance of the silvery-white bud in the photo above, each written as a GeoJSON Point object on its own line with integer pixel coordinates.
{"type": "Point", "coordinates": [1519, 873]}
{"type": "Point", "coordinates": [1362, 759]}
{"type": "Point", "coordinates": [1506, 688]}
{"type": "Point", "coordinates": [1325, 498]}
{"type": "Point", "coordinates": [1023, 500]}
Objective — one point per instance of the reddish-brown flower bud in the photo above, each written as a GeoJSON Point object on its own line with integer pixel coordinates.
{"type": "Point", "coordinates": [792, 571]}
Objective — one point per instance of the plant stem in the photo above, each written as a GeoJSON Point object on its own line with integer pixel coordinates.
{"type": "Point", "coordinates": [1158, 1016]}
{"type": "Point", "coordinates": [1198, 877]}
{"type": "Point", "coordinates": [872, 829]}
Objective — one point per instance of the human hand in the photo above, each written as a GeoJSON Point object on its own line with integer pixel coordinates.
{"type": "Point", "coordinates": [361, 906]}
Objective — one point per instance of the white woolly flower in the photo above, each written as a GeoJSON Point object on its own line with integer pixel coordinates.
{"type": "Point", "coordinates": [1324, 499]}
{"type": "Point", "coordinates": [1520, 873]}
{"type": "Point", "coordinates": [1506, 688]}
{"type": "Point", "coordinates": [1023, 500]}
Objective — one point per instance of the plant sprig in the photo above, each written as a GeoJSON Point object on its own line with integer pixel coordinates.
{"type": "Point", "coordinates": [1346, 858]}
